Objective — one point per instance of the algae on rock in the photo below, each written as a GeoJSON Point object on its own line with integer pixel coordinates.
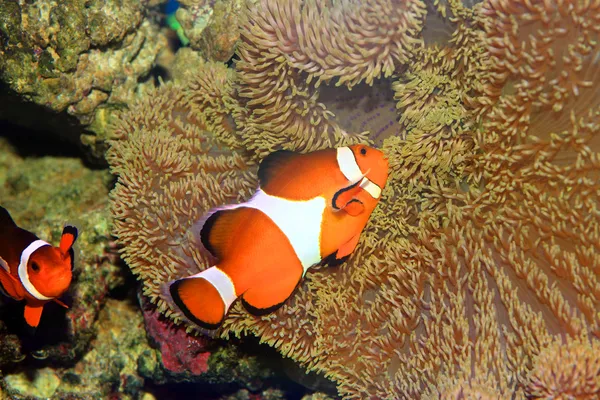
{"type": "Point", "coordinates": [75, 57]}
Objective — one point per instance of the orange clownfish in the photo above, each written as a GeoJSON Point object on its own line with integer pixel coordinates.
{"type": "Point", "coordinates": [307, 207]}
{"type": "Point", "coordinates": [33, 270]}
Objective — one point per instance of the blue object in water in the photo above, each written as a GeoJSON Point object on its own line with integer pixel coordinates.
{"type": "Point", "coordinates": [171, 7]}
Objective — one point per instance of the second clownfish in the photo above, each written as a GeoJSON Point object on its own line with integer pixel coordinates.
{"type": "Point", "coordinates": [307, 207]}
{"type": "Point", "coordinates": [32, 269]}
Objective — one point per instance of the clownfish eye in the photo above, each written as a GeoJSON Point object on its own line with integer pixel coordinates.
{"type": "Point", "coordinates": [35, 267]}
{"type": "Point", "coordinates": [363, 151]}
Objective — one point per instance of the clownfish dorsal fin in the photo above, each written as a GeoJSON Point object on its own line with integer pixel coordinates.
{"type": "Point", "coordinates": [272, 164]}
{"type": "Point", "coordinates": [67, 240]}
{"type": "Point", "coordinates": [5, 218]}
{"type": "Point", "coordinates": [216, 231]}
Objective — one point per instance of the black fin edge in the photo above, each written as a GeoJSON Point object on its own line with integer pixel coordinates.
{"type": "Point", "coordinates": [332, 260]}
{"type": "Point", "coordinates": [264, 311]}
{"type": "Point", "coordinates": [205, 232]}
{"type": "Point", "coordinates": [339, 192]}
{"type": "Point", "coordinates": [72, 230]}
{"type": "Point", "coordinates": [268, 162]}
{"type": "Point", "coordinates": [261, 311]}
{"type": "Point", "coordinates": [72, 255]}
{"type": "Point", "coordinates": [188, 314]}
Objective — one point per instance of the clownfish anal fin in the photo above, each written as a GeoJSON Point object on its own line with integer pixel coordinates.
{"type": "Point", "coordinates": [198, 301]}
{"type": "Point", "coordinates": [270, 293]}
{"type": "Point", "coordinates": [272, 163]}
{"type": "Point", "coordinates": [347, 248]}
{"type": "Point", "coordinates": [5, 218]}
{"type": "Point", "coordinates": [33, 314]}
{"type": "Point", "coordinates": [216, 232]}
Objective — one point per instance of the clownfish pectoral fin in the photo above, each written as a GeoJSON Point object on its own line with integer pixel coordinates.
{"type": "Point", "coordinates": [33, 313]}
{"type": "Point", "coordinates": [345, 199]}
{"type": "Point", "coordinates": [60, 303]}
{"type": "Point", "coordinates": [354, 207]}
{"type": "Point", "coordinates": [271, 164]}
{"type": "Point", "coordinates": [5, 218]}
{"type": "Point", "coordinates": [199, 301]}
{"type": "Point", "coordinates": [268, 294]}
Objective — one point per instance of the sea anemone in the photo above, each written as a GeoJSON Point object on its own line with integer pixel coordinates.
{"type": "Point", "coordinates": [484, 251]}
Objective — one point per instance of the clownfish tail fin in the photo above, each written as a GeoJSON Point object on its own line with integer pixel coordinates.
{"type": "Point", "coordinates": [203, 298]}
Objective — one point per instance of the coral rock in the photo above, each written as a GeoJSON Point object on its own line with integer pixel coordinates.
{"type": "Point", "coordinates": [212, 26]}
{"type": "Point", "coordinates": [182, 354]}
{"type": "Point", "coordinates": [74, 57]}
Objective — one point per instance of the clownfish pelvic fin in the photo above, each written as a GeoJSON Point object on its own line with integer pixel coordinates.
{"type": "Point", "coordinates": [33, 313]}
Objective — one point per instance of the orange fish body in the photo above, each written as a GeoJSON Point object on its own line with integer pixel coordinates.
{"type": "Point", "coordinates": [33, 270]}
{"type": "Point", "coordinates": [308, 207]}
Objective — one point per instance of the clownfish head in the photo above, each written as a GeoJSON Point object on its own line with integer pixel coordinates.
{"type": "Point", "coordinates": [49, 269]}
{"type": "Point", "coordinates": [373, 164]}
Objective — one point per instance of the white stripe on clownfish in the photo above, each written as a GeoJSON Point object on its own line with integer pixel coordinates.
{"type": "Point", "coordinates": [24, 275]}
{"type": "Point", "coordinates": [349, 167]}
{"type": "Point", "coordinates": [289, 215]}
{"type": "Point", "coordinates": [347, 164]}
{"type": "Point", "coordinates": [221, 281]}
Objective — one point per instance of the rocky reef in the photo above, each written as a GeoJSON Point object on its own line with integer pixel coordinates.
{"type": "Point", "coordinates": [75, 63]}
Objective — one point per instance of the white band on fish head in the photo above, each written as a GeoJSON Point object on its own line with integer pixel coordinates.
{"type": "Point", "coordinates": [372, 188]}
{"type": "Point", "coordinates": [349, 167]}
{"type": "Point", "coordinates": [24, 274]}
